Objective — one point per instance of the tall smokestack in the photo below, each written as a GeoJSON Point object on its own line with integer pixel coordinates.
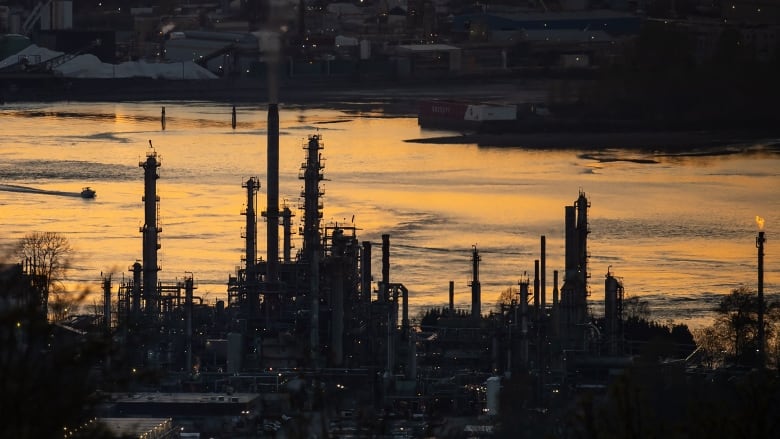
{"type": "Point", "coordinates": [452, 297]}
{"type": "Point", "coordinates": [542, 273]}
{"type": "Point", "coordinates": [107, 304]}
{"type": "Point", "coordinates": [537, 311]}
{"type": "Point", "coordinates": [365, 271]}
{"type": "Point", "coordinates": [272, 212]}
{"type": "Point", "coordinates": [385, 288]}
{"type": "Point", "coordinates": [404, 310]}
{"type": "Point", "coordinates": [760, 240]}
{"type": "Point", "coordinates": [555, 307]}
{"type": "Point", "coordinates": [476, 288]}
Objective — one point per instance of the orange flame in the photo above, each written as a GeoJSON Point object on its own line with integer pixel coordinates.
{"type": "Point", "coordinates": [760, 222]}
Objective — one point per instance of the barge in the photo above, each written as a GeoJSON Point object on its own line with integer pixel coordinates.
{"type": "Point", "coordinates": [464, 115]}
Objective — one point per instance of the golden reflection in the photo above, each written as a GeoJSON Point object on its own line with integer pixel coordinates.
{"type": "Point", "coordinates": [677, 226]}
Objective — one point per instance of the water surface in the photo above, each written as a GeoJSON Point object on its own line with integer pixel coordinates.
{"type": "Point", "coordinates": [679, 229]}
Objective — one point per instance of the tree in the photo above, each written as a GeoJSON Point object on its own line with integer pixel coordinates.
{"type": "Point", "coordinates": [507, 297]}
{"type": "Point", "coordinates": [48, 373]}
{"type": "Point", "coordinates": [47, 256]}
{"type": "Point", "coordinates": [633, 308]}
{"type": "Point", "coordinates": [735, 330]}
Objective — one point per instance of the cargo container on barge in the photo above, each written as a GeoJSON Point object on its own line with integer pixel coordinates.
{"type": "Point", "coordinates": [464, 115]}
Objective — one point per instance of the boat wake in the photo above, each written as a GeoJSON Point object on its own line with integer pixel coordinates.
{"type": "Point", "coordinates": [32, 190]}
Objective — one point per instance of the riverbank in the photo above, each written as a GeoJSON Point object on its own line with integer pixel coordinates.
{"type": "Point", "coordinates": [401, 98]}
{"type": "Point", "coordinates": [289, 90]}
{"type": "Point", "coordinates": [663, 141]}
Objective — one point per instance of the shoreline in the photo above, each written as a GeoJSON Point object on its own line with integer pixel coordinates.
{"type": "Point", "coordinates": [657, 141]}
{"type": "Point", "coordinates": [400, 98]}
{"type": "Point", "coordinates": [247, 90]}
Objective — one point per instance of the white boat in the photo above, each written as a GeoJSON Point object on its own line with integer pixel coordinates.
{"type": "Point", "coordinates": [87, 192]}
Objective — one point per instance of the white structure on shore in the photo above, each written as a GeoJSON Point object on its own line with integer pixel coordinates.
{"type": "Point", "coordinates": [89, 66]}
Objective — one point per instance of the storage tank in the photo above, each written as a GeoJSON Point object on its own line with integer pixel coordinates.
{"type": "Point", "coordinates": [493, 385]}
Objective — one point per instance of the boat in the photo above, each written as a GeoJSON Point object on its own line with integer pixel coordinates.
{"type": "Point", "coordinates": [464, 115]}
{"type": "Point", "coordinates": [87, 192]}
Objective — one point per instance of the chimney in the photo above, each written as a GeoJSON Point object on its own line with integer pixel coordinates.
{"type": "Point", "coordinates": [272, 209]}
{"type": "Point", "coordinates": [760, 240]}
{"type": "Point", "coordinates": [476, 289]}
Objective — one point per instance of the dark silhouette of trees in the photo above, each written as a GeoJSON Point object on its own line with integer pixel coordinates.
{"type": "Point", "coordinates": [47, 258]}
{"type": "Point", "coordinates": [655, 402]}
{"type": "Point", "coordinates": [47, 379]}
{"type": "Point", "coordinates": [48, 372]}
{"type": "Point", "coordinates": [654, 341]}
{"type": "Point", "coordinates": [733, 337]}
{"type": "Point", "coordinates": [633, 308]}
{"type": "Point", "coordinates": [430, 317]}
{"type": "Point", "coordinates": [663, 80]}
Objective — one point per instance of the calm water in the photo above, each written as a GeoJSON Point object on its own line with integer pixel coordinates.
{"type": "Point", "coordinates": [680, 230]}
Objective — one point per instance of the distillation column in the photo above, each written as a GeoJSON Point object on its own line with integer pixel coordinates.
{"type": "Point", "coordinates": [311, 174]}
{"type": "Point", "coordinates": [574, 294]}
{"type": "Point", "coordinates": [252, 185]}
{"type": "Point", "coordinates": [150, 231]}
{"type": "Point", "coordinates": [613, 311]}
{"type": "Point", "coordinates": [582, 204]}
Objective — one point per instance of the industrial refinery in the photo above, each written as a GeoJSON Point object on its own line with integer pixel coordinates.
{"type": "Point", "coordinates": [318, 341]}
{"type": "Point", "coordinates": [317, 337]}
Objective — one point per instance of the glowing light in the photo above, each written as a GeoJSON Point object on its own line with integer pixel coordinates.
{"type": "Point", "coordinates": [760, 222]}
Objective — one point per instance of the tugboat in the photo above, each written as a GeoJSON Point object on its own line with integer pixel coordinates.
{"type": "Point", "coordinates": [87, 192]}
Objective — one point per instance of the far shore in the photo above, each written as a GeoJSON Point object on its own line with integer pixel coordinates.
{"type": "Point", "coordinates": [660, 141]}
{"type": "Point", "coordinates": [401, 98]}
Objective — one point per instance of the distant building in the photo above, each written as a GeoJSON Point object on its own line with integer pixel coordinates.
{"type": "Point", "coordinates": [18, 297]}
{"type": "Point", "coordinates": [751, 12]}
{"type": "Point", "coordinates": [481, 26]}
{"type": "Point", "coordinates": [203, 412]}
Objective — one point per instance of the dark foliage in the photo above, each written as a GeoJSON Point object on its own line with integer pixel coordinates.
{"type": "Point", "coordinates": [653, 402]}
{"type": "Point", "coordinates": [431, 317]}
{"type": "Point", "coordinates": [652, 340]}
{"type": "Point", "coordinates": [663, 81]}
{"type": "Point", "coordinates": [47, 372]}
